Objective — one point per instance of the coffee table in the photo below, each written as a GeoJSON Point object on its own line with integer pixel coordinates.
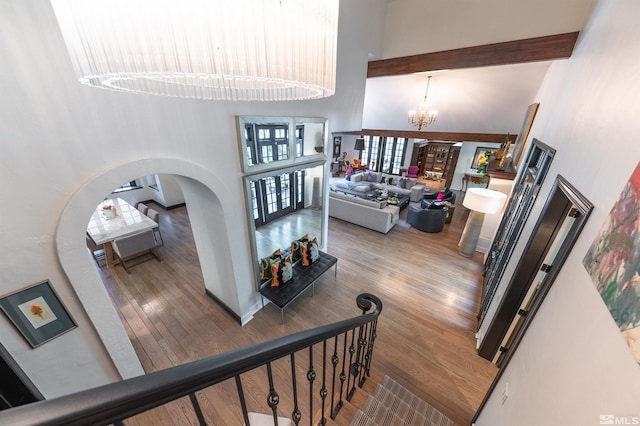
{"type": "Point", "coordinates": [403, 200]}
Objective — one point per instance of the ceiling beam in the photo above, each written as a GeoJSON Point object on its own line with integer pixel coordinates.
{"type": "Point", "coordinates": [439, 136]}
{"type": "Point", "coordinates": [559, 46]}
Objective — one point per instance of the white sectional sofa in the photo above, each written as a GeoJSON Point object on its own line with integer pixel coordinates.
{"type": "Point", "coordinates": [366, 181]}
{"type": "Point", "coordinates": [370, 214]}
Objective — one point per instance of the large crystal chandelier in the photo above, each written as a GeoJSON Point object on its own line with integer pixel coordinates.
{"type": "Point", "coordinates": [424, 116]}
{"type": "Point", "coordinates": [245, 50]}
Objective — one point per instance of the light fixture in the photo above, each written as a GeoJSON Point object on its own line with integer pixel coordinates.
{"type": "Point", "coordinates": [244, 50]}
{"type": "Point", "coordinates": [480, 201]}
{"type": "Point", "coordinates": [424, 116]}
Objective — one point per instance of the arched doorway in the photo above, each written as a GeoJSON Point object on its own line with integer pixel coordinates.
{"type": "Point", "coordinates": [205, 194]}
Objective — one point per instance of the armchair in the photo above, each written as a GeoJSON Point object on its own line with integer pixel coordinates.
{"type": "Point", "coordinates": [412, 171]}
{"type": "Point", "coordinates": [427, 220]}
{"type": "Point", "coordinates": [357, 165]}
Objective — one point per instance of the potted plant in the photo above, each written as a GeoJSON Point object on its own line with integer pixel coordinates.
{"type": "Point", "coordinates": [109, 211]}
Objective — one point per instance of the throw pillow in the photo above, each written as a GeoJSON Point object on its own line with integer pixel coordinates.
{"type": "Point", "coordinates": [372, 177]}
{"type": "Point", "coordinates": [281, 272]}
{"type": "Point", "coordinates": [383, 179]}
{"type": "Point", "coordinates": [267, 262]}
{"type": "Point", "coordinates": [310, 252]}
{"type": "Point", "coordinates": [401, 182]}
{"type": "Point", "coordinates": [296, 249]}
{"type": "Point", "coordinates": [390, 180]}
{"type": "Point", "coordinates": [347, 177]}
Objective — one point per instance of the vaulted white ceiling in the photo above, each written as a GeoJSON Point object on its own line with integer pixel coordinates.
{"type": "Point", "coordinates": [477, 100]}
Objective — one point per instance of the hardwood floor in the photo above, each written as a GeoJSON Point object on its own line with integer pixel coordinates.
{"type": "Point", "coordinates": [425, 333]}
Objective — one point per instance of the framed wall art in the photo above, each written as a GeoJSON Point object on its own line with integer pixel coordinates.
{"type": "Point", "coordinates": [612, 262]}
{"type": "Point", "coordinates": [481, 156]}
{"type": "Point", "coordinates": [337, 144]}
{"type": "Point", "coordinates": [37, 312]}
{"type": "Point", "coordinates": [518, 145]}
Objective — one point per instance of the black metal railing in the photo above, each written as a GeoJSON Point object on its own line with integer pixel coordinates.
{"type": "Point", "coordinates": [116, 402]}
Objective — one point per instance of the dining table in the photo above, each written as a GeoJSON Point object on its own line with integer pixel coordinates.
{"type": "Point", "coordinates": [119, 221]}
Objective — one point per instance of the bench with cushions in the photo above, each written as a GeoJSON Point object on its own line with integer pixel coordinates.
{"type": "Point", "coordinates": [302, 278]}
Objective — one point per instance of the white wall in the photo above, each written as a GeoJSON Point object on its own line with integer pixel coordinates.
{"type": "Point", "coordinates": [573, 364]}
{"type": "Point", "coordinates": [411, 28]}
{"type": "Point", "coordinates": [58, 137]}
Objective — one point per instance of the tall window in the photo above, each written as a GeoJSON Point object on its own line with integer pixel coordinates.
{"type": "Point", "coordinates": [267, 143]}
{"type": "Point", "coordinates": [384, 154]}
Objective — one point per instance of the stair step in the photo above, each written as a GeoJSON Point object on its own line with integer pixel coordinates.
{"type": "Point", "coordinates": [259, 419]}
{"type": "Point", "coordinates": [393, 393]}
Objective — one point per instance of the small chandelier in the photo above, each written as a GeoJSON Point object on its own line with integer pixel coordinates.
{"type": "Point", "coordinates": [424, 116]}
{"type": "Point", "coordinates": [240, 50]}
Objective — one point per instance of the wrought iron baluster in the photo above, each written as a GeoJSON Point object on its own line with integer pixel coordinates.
{"type": "Point", "coordinates": [334, 363]}
{"type": "Point", "coordinates": [323, 389]}
{"type": "Point", "coordinates": [343, 377]}
{"type": "Point", "coordinates": [311, 376]}
{"type": "Point", "coordinates": [273, 398]}
{"type": "Point", "coordinates": [197, 409]}
{"type": "Point", "coordinates": [296, 415]}
{"type": "Point", "coordinates": [362, 343]}
{"type": "Point", "coordinates": [243, 402]}
{"type": "Point", "coordinates": [352, 350]}
{"type": "Point", "coordinates": [355, 367]}
{"type": "Point", "coordinates": [372, 341]}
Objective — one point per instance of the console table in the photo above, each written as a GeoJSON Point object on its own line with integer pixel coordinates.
{"type": "Point", "coordinates": [474, 178]}
{"type": "Point", "coordinates": [303, 278]}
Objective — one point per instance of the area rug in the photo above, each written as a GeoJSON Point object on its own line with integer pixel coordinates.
{"type": "Point", "coordinates": [401, 226]}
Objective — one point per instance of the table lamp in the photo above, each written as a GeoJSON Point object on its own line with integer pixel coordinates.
{"type": "Point", "coordinates": [480, 201]}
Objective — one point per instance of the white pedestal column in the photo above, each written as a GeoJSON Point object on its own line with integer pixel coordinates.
{"type": "Point", "coordinates": [471, 233]}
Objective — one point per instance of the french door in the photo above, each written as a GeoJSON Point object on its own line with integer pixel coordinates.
{"type": "Point", "coordinates": [275, 196]}
{"type": "Point", "coordinates": [384, 154]}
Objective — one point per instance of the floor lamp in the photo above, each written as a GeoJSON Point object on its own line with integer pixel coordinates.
{"type": "Point", "coordinates": [480, 201]}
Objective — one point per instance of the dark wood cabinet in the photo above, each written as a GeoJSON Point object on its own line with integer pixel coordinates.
{"type": "Point", "coordinates": [437, 157]}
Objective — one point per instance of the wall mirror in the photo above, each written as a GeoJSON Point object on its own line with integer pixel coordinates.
{"type": "Point", "coordinates": [523, 196]}
{"type": "Point", "coordinates": [284, 193]}
{"type": "Point", "coordinates": [268, 143]}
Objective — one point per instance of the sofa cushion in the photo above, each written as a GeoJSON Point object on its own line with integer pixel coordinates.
{"type": "Point", "coordinates": [358, 177]}
{"type": "Point", "coordinates": [352, 186]}
{"type": "Point", "coordinates": [410, 183]}
{"type": "Point", "coordinates": [369, 203]}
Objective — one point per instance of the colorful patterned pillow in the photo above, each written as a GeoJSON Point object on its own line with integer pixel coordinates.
{"type": "Point", "coordinates": [296, 250]}
{"type": "Point", "coordinates": [266, 262]}
{"type": "Point", "coordinates": [282, 272]}
{"type": "Point", "coordinates": [310, 252]}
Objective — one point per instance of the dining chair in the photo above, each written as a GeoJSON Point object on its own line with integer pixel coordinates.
{"type": "Point", "coordinates": [135, 246]}
{"type": "Point", "coordinates": [142, 208]}
{"type": "Point", "coordinates": [97, 251]}
{"type": "Point", "coordinates": [155, 216]}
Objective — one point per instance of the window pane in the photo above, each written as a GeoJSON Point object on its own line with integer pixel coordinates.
{"type": "Point", "coordinates": [285, 190]}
